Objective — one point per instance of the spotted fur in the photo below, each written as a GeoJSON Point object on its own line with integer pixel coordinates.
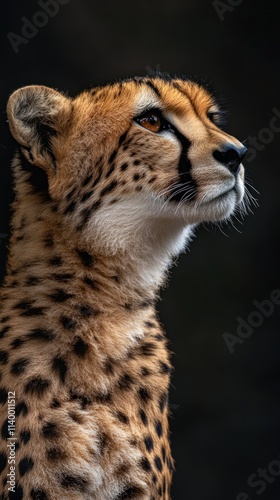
{"type": "Point", "coordinates": [102, 206]}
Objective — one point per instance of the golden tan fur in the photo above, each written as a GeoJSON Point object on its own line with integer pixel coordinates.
{"type": "Point", "coordinates": [95, 227]}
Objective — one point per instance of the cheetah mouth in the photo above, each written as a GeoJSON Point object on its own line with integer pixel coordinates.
{"type": "Point", "coordinates": [220, 197]}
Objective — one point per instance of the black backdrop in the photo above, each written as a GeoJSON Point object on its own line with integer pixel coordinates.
{"type": "Point", "coordinates": [225, 405]}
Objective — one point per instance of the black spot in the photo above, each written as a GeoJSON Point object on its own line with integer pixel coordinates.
{"type": "Point", "coordinates": [149, 324]}
{"type": "Point", "coordinates": [50, 430]}
{"type": "Point", "coordinates": [4, 331]}
{"type": "Point", "coordinates": [158, 427]}
{"type": "Point", "coordinates": [146, 303]}
{"type": "Point", "coordinates": [86, 311]}
{"type": "Point", "coordinates": [86, 196]}
{"type": "Point", "coordinates": [19, 366]}
{"type": "Point", "coordinates": [89, 282]}
{"type": "Point", "coordinates": [25, 465]}
{"type": "Point", "coordinates": [18, 492]}
{"type": "Point", "coordinates": [143, 416]}
{"type": "Point", "coordinates": [125, 382]}
{"type": "Point", "coordinates": [60, 295]}
{"type": "Point", "coordinates": [109, 188]}
{"type": "Point", "coordinates": [80, 347]}
{"type": "Point", "coordinates": [86, 180]}
{"type": "Point", "coordinates": [136, 162]}
{"type": "Point", "coordinates": [17, 343]}
{"type": "Point", "coordinates": [48, 241]}
{"type": "Point", "coordinates": [4, 429]}
{"type": "Point", "coordinates": [76, 417]}
{"type": "Point", "coordinates": [21, 409]}
{"type": "Point", "coordinates": [3, 461]}
{"type": "Point", "coordinates": [124, 166]}
{"type": "Point", "coordinates": [164, 368]}
{"type": "Point", "coordinates": [170, 464]}
{"type": "Point", "coordinates": [129, 492]}
{"type": "Point", "coordinates": [4, 319]}
{"type": "Point", "coordinates": [25, 436]}
{"type": "Point", "coordinates": [41, 334]}
{"type": "Point", "coordinates": [68, 323]}
{"type": "Point", "coordinates": [86, 259]}
{"type": "Point", "coordinates": [69, 209]}
{"type": "Point", "coordinates": [109, 367]}
{"type": "Point", "coordinates": [55, 454]}
{"type": "Point", "coordinates": [33, 311]}
{"type": "Point", "coordinates": [56, 261]}
{"type": "Point", "coordinates": [65, 277]}
{"type": "Point", "coordinates": [103, 397]}
{"type": "Point", "coordinates": [60, 367]}
{"type": "Point", "coordinates": [144, 394]}
{"type": "Point", "coordinates": [75, 482]}
{"type": "Point", "coordinates": [136, 177]}
{"type": "Point", "coordinates": [122, 417]}
{"type": "Point", "coordinates": [162, 401]}
{"type": "Point", "coordinates": [86, 213]}
{"type": "Point", "coordinates": [148, 348]}
{"type": "Point", "coordinates": [158, 463]}
{"type": "Point", "coordinates": [97, 179]}
{"type": "Point", "coordinates": [163, 453]}
{"type": "Point", "coordinates": [103, 441]}
{"type": "Point", "coordinates": [23, 304]}
{"type": "Point", "coordinates": [113, 156]}
{"type": "Point", "coordinates": [3, 395]}
{"type": "Point", "coordinates": [145, 371]}
{"type": "Point", "coordinates": [70, 194]}
{"type": "Point", "coordinates": [122, 138]}
{"type": "Point", "coordinates": [110, 171]}
{"type": "Point", "coordinates": [149, 443]}
{"type": "Point", "coordinates": [37, 386]}
{"type": "Point", "coordinates": [37, 494]}
{"type": "Point", "coordinates": [32, 281]}
{"type": "Point", "coordinates": [82, 398]}
{"type": "Point", "coordinates": [145, 464]}
{"type": "Point", "coordinates": [55, 404]}
{"type": "Point", "coordinates": [4, 357]}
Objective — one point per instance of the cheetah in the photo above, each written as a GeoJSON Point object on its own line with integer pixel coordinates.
{"type": "Point", "coordinates": [109, 187]}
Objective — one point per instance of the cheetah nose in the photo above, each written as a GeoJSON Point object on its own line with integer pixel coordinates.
{"type": "Point", "coordinates": [230, 156]}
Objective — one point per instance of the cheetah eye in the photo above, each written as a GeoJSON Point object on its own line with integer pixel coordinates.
{"type": "Point", "coordinates": [152, 121]}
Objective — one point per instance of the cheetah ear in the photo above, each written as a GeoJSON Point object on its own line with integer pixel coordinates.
{"type": "Point", "coordinates": [36, 116]}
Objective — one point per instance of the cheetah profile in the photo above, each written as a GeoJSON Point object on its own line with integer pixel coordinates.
{"type": "Point", "coordinates": [108, 188]}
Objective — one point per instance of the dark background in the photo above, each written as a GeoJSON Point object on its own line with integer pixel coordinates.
{"type": "Point", "coordinates": [225, 406]}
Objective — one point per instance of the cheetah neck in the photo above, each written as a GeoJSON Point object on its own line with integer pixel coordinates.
{"type": "Point", "coordinates": [122, 241]}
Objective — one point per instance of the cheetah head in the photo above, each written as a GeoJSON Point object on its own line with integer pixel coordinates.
{"type": "Point", "coordinates": [142, 157]}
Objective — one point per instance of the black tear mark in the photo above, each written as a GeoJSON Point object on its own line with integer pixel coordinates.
{"type": "Point", "coordinates": [184, 168]}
